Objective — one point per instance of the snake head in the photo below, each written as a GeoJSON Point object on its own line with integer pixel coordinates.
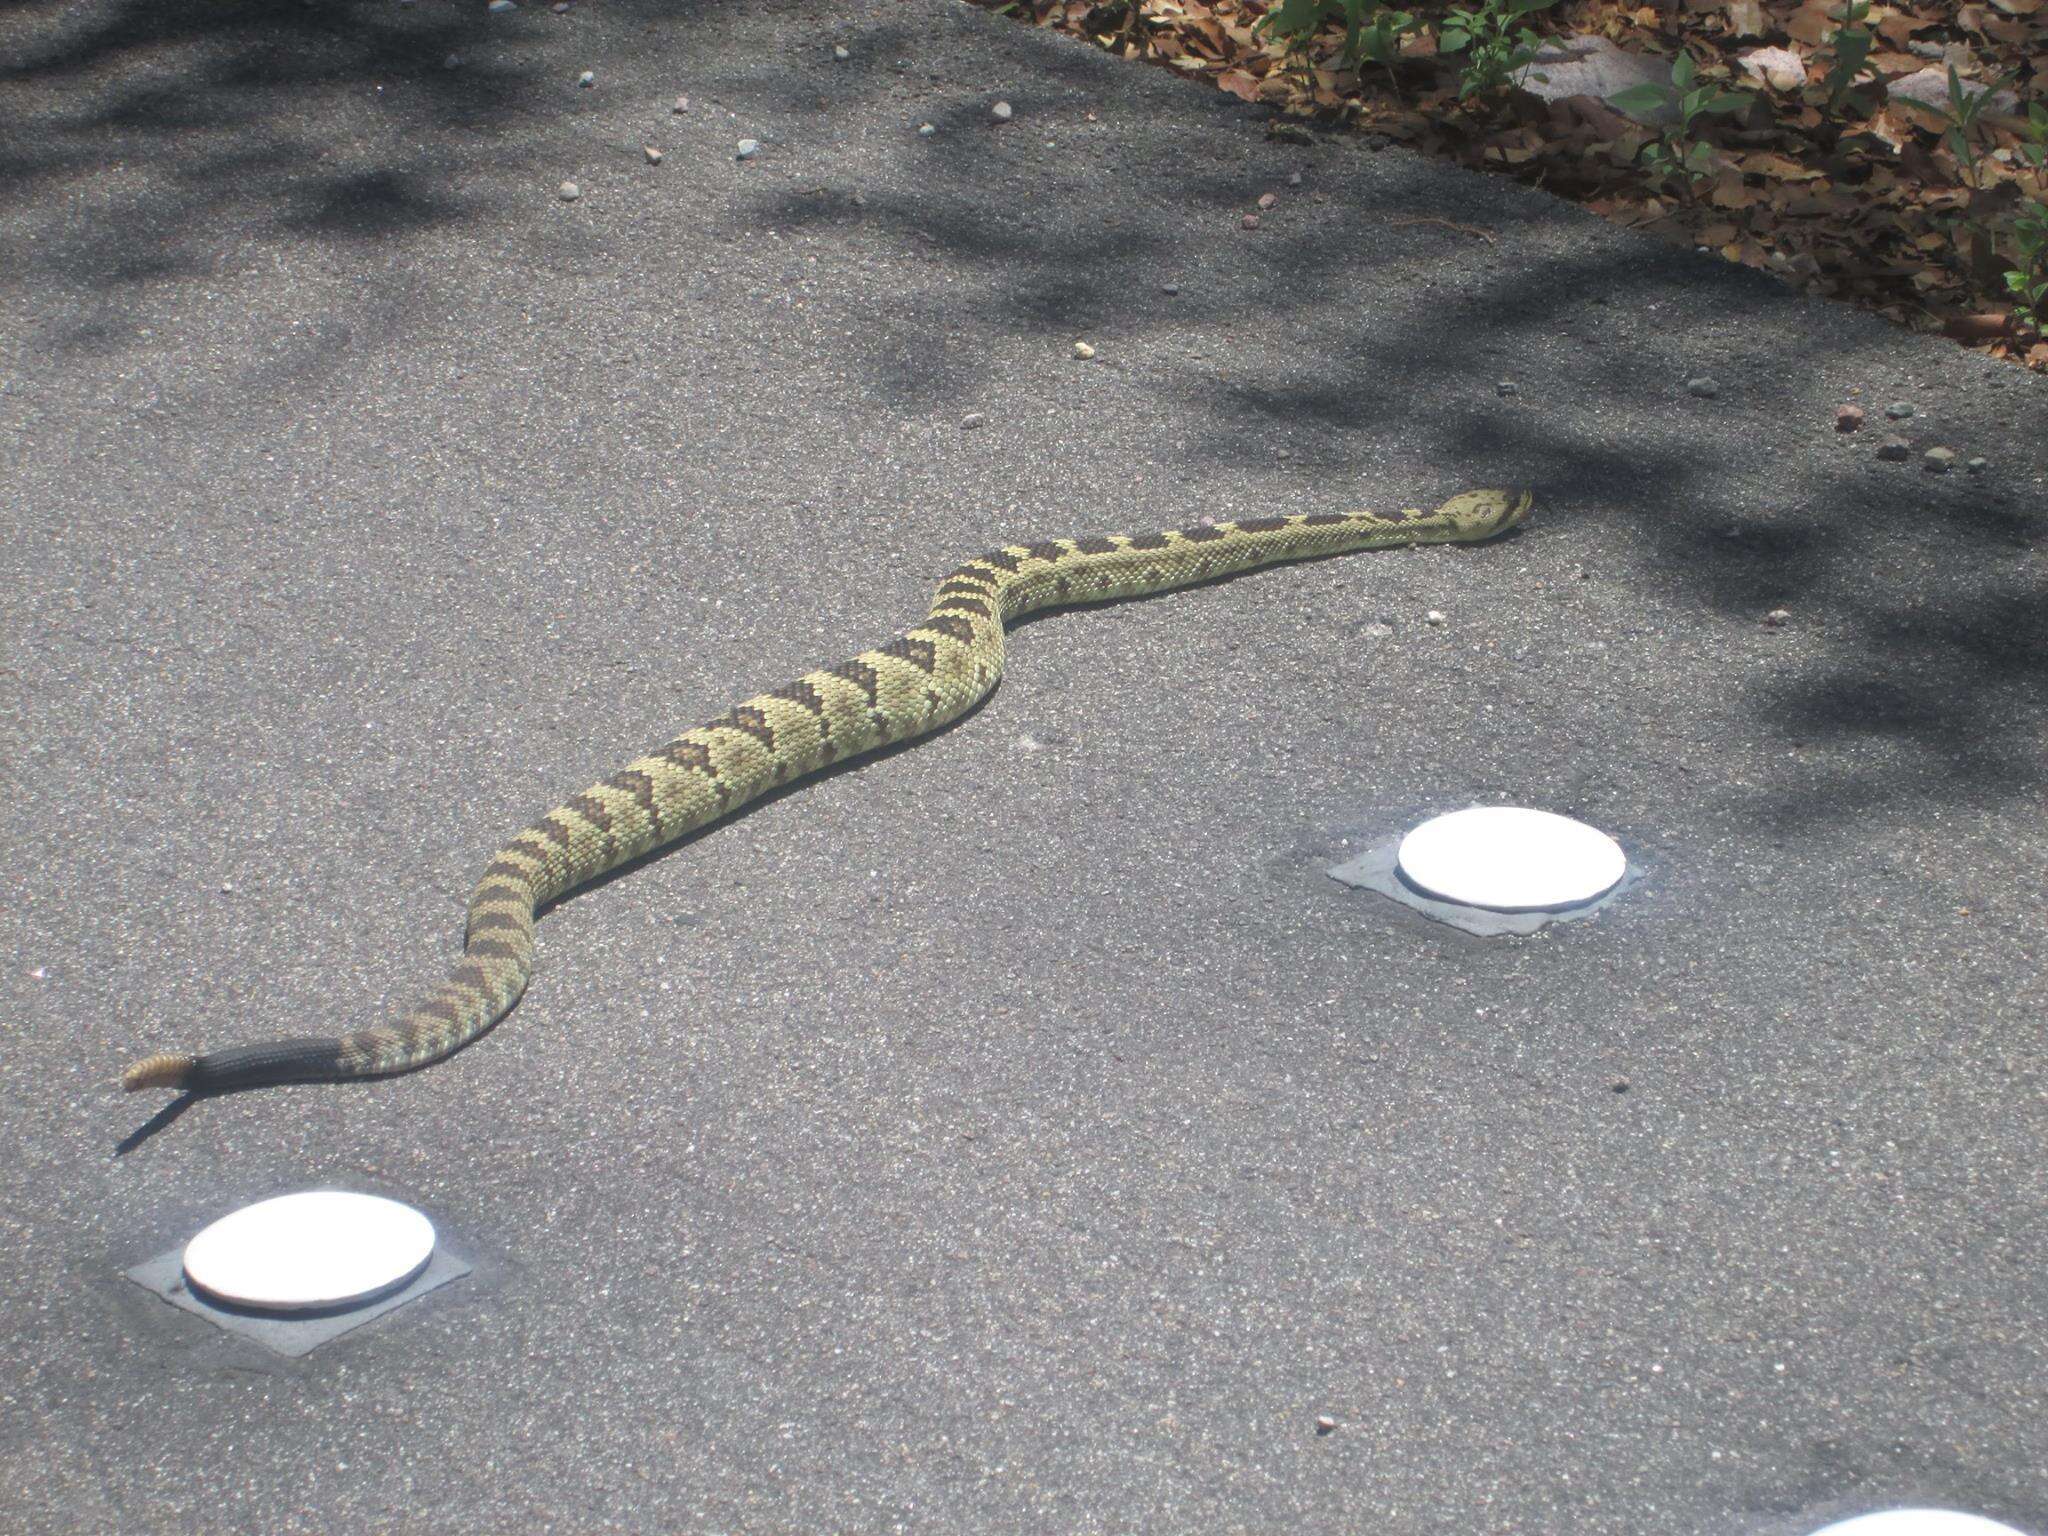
{"type": "Point", "coordinates": [1482, 514]}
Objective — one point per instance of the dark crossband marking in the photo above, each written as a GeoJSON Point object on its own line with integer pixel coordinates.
{"type": "Point", "coordinates": [919, 653]}
{"type": "Point", "coordinates": [748, 722]}
{"type": "Point", "coordinates": [640, 785]}
{"type": "Point", "coordinates": [862, 676]}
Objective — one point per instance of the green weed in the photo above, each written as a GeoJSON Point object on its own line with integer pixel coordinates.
{"type": "Point", "coordinates": [1675, 154]}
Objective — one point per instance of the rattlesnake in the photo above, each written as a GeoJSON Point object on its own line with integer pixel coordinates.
{"type": "Point", "coordinates": [914, 684]}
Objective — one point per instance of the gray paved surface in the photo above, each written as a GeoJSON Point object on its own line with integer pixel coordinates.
{"type": "Point", "coordinates": [1004, 1137]}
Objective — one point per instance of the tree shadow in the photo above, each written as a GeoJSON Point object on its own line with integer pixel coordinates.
{"type": "Point", "coordinates": [1407, 334]}
{"type": "Point", "coordinates": [137, 139]}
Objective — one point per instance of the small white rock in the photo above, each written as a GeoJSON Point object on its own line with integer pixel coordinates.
{"type": "Point", "coordinates": [925, 130]}
{"type": "Point", "coordinates": [1703, 387]}
{"type": "Point", "coordinates": [682, 105]}
{"type": "Point", "coordinates": [1083, 351]}
{"type": "Point", "coordinates": [37, 974]}
{"type": "Point", "coordinates": [841, 54]}
{"type": "Point", "coordinates": [1434, 616]}
{"type": "Point", "coordinates": [1777, 618]}
{"type": "Point", "coordinates": [972, 420]}
{"type": "Point", "coordinates": [1001, 112]}
{"type": "Point", "coordinates": [569, 191]}
{"type": "Point", "coordinates": [653, 155]}
{"type": "Point", "coordinates": [587, 79]}
{"type": "Point", "coordinates": [747, 149]}
{"type": "Point", "coordinates": [500, 7]}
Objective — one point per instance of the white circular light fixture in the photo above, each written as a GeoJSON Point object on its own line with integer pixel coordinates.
{"type": "Point", "coordinates": [1510, 859]}
{"type": "Point", "coordinates": [1917, 1522]}
{"type": "Point", "coordinates": [321, 1248]}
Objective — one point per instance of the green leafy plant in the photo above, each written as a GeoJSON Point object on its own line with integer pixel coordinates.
{"type": "Point", "coordinates": [1381, 42]}
{"type": "Point", "coordinates": [1960, 118]}
{"type": "Point", "coordinates": [1675, 154]}
{"type": "Point", "coordinates": [1497, 47]}
{"type": "Point", "coordinates": [1849, 46]}
{"type": "Point", "coordinates": [2028, 281]}
{"type": "Point", "coordinates": [1296, 22]}
{"type": "Point", "coordinates": [2035, 151]}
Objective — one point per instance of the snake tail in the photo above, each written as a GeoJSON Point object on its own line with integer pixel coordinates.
{"type": "Point", "coordinates": [917, 682]}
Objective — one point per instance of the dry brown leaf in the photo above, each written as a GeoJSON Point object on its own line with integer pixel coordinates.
{"type": "Point", "coordinates": [1897, 27]}
{"type": "Point", "coordinates": [1745, 18]}
{"type": "Point", "coordinates": [1729, 192]}
{"type": "Point", "coordinates": [1775, 166]}
{"type": "Point", "coordinates": [1810, 23]}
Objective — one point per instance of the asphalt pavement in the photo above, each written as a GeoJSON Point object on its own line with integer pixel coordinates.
{"type": "Point", "coordinates": [1022, 1132]}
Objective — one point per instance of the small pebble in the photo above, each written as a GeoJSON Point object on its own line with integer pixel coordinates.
{"type": "Point", "coordinates": [653, 155]}
{"type": "Point", "coordinates": [569, 191]}
{"type": "Point", "coordinates": [1977, 466]}
{"type": "Point", "coordinates": [1703, 386]}
{"type": "Point", "coordinates": [226, 889]}
{"type": "Point", "coordinates": [972, 420]}
{"type": "Point", "coordinates": [1899, 410]}
{"type": "Point", "coordinates": [1171, 290]}
{"type": "Point", "coordinates": [747, 149]}
{"type": "Point", "coordinates": [453, 61]}
{"type": "Point", "coordinates": [1083, 351]}
{"type": "Point", "coordinates": [1269, 200]}
{"type": "Point", "coordinates": [682, 104]}
{"type": "Point", "coordinates": [1294, 178]}
{"type": "Point", "coordinates": [1894, 450]}
{"type": "Point", "coordinates": [1325, 1424]}
{"type": "Point", "coordinates": [37, 974]}
{"type": "Point", "coordinates": [587, 79]}
{"type": "Point", "coordinates": [1249, 221]}
{"type": "Point", "coordinates": [1848, 417]}
{"type": "Point", "coordinates": [1002, 112]}
{"type": "Point", "coordinates": [839, 52]}
{"type": "Point", "coordinates": [1507, 389]}
{"type": "Point", "coordinates": [560, 7]}
{"type": "Point", "coordinates": [1619, 1085]}
{"type": "Point", "coordinates": [1777, 618]}
{"type": "Point", "coordinates": [925, 130]}
{"type": "Point", "coordinates": [1433, 617]}
{"type": "Point", "coordinates": [500, 7]}
{"type": "Point", "coordinates": [1938, 460]}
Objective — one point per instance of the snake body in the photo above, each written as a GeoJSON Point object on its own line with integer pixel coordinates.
{"type": "Point", "coordinates": [917, 682]}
